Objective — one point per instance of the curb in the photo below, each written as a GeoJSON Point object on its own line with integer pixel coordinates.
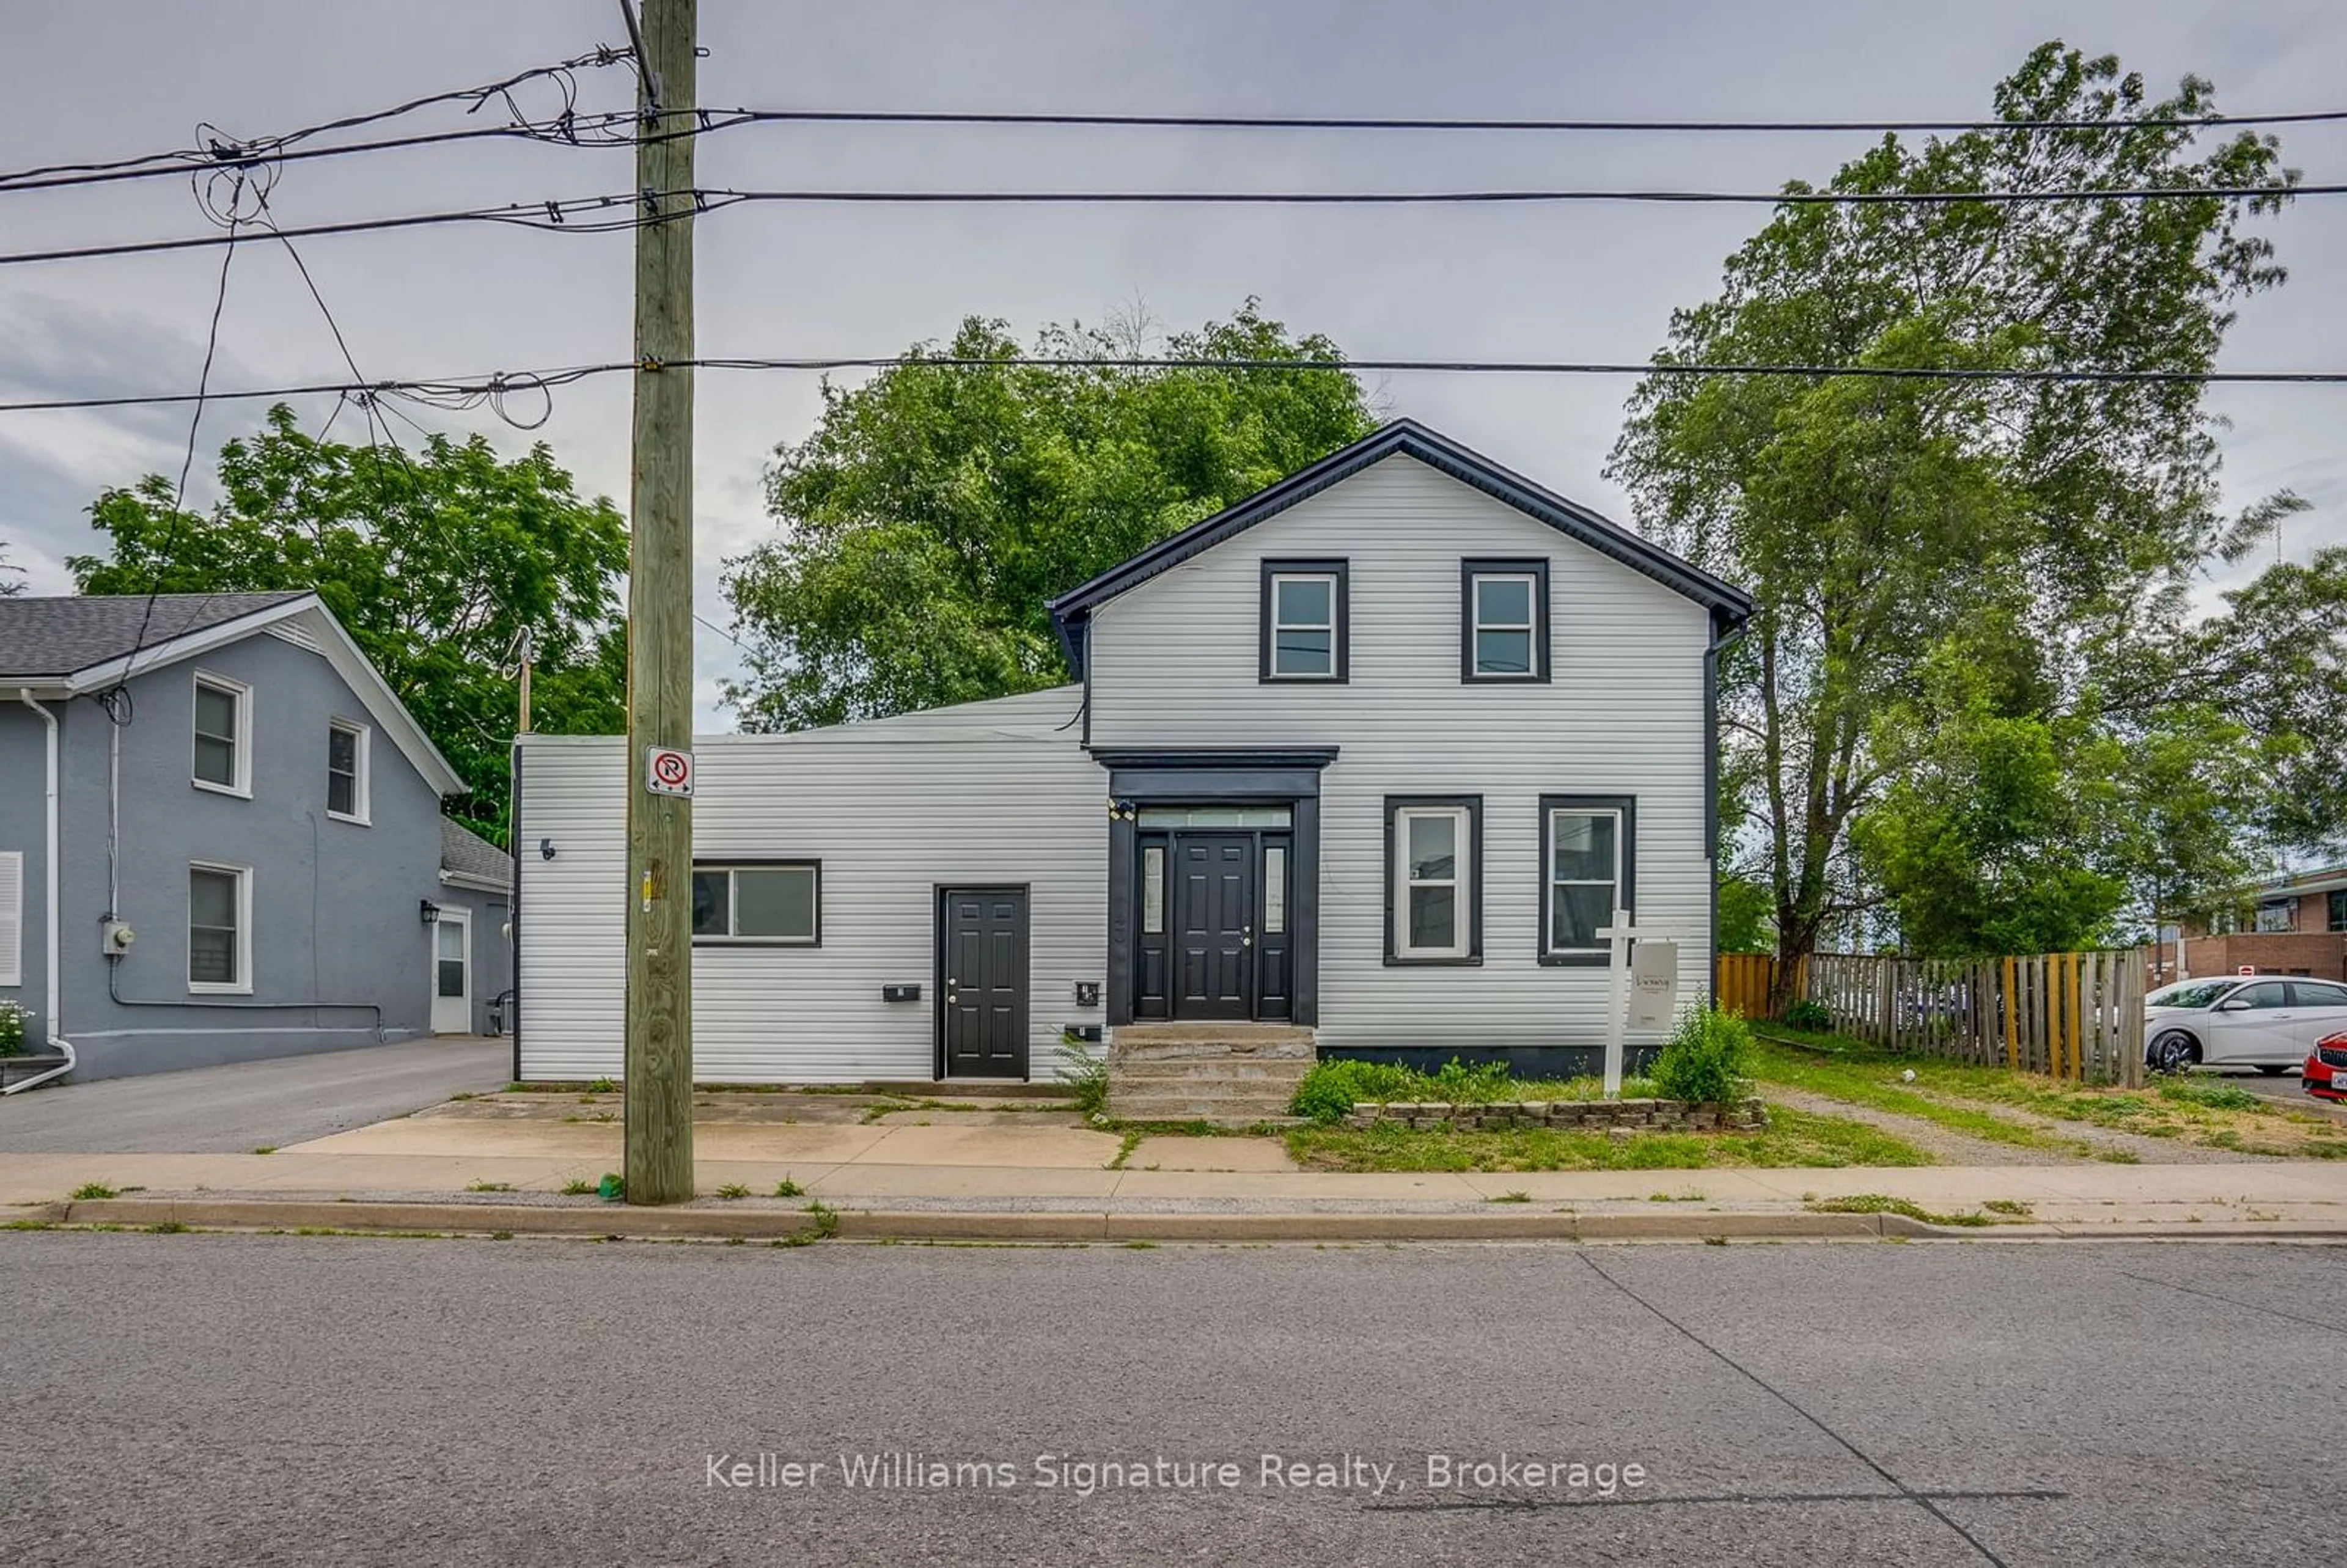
{"type": "Point", "coordinates": [882, 1224]}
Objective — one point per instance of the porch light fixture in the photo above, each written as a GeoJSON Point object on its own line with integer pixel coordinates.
{"type": "Point", "coordinates": [429, 910]}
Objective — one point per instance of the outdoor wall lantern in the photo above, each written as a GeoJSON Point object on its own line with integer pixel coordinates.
{"type": "Point", "coordinates": [546, 849]}
{"type": "Point", "coordinates": [429, 910]}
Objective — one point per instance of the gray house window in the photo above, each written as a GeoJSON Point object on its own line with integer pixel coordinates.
{"type": "Point", "coordinates": [220, 929]}
{"type": "Point", "coordinates": [346, 771]}
{"type": "Point", "coordinates": [223, 734]}
{"type": "Point", "coordinates": [1434, 879]}
{"type": "Point", "coordinates": [768, 903]}
{"type": "Point", "coordinates": [1306, 621]}
{"type": "Point", "coordinates": [1504, 620]}
{"type": "Point", "coordinates": [1587, 868]}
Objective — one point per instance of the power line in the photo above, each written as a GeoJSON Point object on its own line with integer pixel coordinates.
{"type": "Point", "coordinates": [465, 393]}
{"type": "Point", "coordinates": [1351, 123]}
{"type": "Point", "coordinates": [188, 463]}
{"type": "Point", "coordinates": [608, 129]}
{"type": "Point", "coordinates": [219, 148]}
{"type": "Point", "coordinates": [560, 214]}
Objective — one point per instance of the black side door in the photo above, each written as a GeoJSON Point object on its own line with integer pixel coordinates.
{"type": "Point", "coordinates": [982, 950]}
{"type": "Point", "coordinates": [1213, 927]}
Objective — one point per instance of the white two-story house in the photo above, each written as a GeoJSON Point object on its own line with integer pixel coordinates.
{"type": "Point", "coordinates": [1376, 752]}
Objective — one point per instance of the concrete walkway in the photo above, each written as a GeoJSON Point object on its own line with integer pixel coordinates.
{"type": "Point", "coordinates": [1024, 1176]}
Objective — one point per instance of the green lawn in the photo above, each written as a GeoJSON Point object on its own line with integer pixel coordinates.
{"type": "Point", "coordinates": [1791, 1138]}
{"type": "Point", "coordinates": [1956, 1094]}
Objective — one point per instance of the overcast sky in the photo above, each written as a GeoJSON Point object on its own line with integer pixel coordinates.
{"type": "Point", "coordinates": [112, 78]}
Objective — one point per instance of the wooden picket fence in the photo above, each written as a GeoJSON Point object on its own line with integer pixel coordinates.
{"type": "Point", "coordinates": [2070, 1015]}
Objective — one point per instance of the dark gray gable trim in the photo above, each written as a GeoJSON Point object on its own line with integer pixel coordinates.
{"type": "Point", "coordinates": [1473, 806]}
{"type": "Point", "coordinates": [1072, 610]}
{"type": "Point", "coordinates": [1473, 566]}
{"type": "Point", "coordinates": [1627, 894]}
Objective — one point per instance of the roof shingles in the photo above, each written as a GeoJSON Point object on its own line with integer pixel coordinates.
{"type": "Point", "coordinates": [52, 638]}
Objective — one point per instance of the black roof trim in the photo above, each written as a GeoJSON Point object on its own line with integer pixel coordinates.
{"type": "Point", "coordinates": [1729, 606]}
{"type": "Point", "coordinates": [1215, 757]}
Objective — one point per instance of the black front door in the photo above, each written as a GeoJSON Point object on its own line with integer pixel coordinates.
{"type": "Point", "coordinates": [1214, 925]}
{"type": "Point", "coordinates": [982, 941]}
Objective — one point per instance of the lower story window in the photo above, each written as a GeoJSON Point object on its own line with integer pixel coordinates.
{"type": "Point", "coordinates": [1434, 849]}
{"type": "Point", "coordinates": [219, 928]}
{"type": "Point", "coordinates": [778, 902]}
{"type": "Point", "coordinates": [1586, 873]}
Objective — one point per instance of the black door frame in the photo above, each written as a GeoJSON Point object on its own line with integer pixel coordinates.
{"type": "Point", "coordinates": [1215, 776]}
{"type": "Point", "coordinates": [939, 893]}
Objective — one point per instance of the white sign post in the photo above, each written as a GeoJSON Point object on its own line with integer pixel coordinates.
{"type": "Point", "coordinates": [1651, 981]}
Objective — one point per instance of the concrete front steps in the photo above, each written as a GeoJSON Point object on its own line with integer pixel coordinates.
{"type": "Point", "coordinates": [1231, 1074]}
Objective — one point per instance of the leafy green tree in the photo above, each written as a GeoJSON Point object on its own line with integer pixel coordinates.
{"type": "Point", "coordinates": [11, 576]}
{"type": "Point", "coordinates": [432, 561]}
{"type": "Point", "coordinates": [938, 507]}
{"type": "Point", "coordinates": [2028, 524]}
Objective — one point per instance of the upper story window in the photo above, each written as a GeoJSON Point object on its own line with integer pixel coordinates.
{"type": "Point", "coordinates": [346, 771]}
{"type": "Point", "coordinates": [1434, 873]}
{"type": "Point", "coordinates": [1307, 621]}
{"type": "Point", "coordinates": [2278, 915]}
{"type": "Point", "coordinates": [1587, 865]}
{"type": "Point", "coordinates": [2338, 921]}
{"type": "Point", "coordinates": [777, 903]}
{"type": "Point", "coordinates": [223, 735]}
{"type": "Point", "coordinates": [1504, 620]}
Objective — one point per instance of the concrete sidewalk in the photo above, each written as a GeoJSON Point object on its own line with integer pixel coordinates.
{"type": "Point", "coordinates": [1023, 1176]}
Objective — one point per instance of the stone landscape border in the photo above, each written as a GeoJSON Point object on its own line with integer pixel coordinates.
{"type": "Point", "coordinates": [1500, 1115]}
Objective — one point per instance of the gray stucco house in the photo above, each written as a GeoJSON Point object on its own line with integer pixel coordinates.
{"type": "Point", "coordinates": [220, 839]}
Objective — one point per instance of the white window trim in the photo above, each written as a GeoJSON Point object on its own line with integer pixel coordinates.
{"type": "Point", "coordinates": [732, 916]}
{"type": "Point", "coordinates": [1551, 881]}
{"type": "Point", "coordinates": [1461, 870]}
{"type": "Point", "coordinates": [12, 917]}
{"type": "Point", "coordinates": [242, 787]}
{"type": "Point", "coordinates": [242, 985]}
{"type": "Point", "coordinates": [1328, 578]}
{"type": "Point", "coordinates": [363, 780]}
{"type": "Point", "coordinates": [1477, 625]}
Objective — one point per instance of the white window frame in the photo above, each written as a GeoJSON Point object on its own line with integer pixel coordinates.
{"type": "Point", "coordinates": [1530, 626]}
{"type": "Point", "coordinates": [12, 917]}
{"type": "Point", "coordinates": [242, 985]}
{"type": "Point", "coordinates": [1460, 881]}
{"type": "Point", "coordinates": [363, 774]}
{"type": "Point", "coordinates": [732, 904]}
{"type": "Point", "coordinates": [1328, 579]}
{"type": "Point", "coordinates": [242, 739]}
{"type": "Point", "coordinates": [1551, 881]}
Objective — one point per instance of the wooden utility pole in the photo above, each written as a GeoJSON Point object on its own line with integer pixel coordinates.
{"type": "Point", "coordinates": [659, 1107]}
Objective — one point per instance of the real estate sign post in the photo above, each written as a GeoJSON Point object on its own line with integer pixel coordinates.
{"type": "Point", "coordinates": [658, 1105]}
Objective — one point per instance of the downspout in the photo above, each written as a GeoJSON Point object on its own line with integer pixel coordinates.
{"type": "Point", "coordinates": [56, 1040]}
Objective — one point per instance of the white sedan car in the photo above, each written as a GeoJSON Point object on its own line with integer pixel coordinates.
{"type": "Point", "coordinates": [2270, 1023]}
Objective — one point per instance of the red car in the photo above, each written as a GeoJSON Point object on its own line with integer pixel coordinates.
{"type": "Point", "coordinates": [2324, 1076]}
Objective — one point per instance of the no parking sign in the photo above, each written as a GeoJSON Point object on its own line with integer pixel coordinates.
{"type": "Point", "coordinates": [668, 771]}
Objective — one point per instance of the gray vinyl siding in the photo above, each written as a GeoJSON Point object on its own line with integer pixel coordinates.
{"type": "Point", "coordinates": [1173, 662]}
{"type": "Point", "coordinates": [990, 793]}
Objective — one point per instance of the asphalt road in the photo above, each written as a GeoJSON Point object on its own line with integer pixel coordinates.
{"type": "Point", "coordinates": [229, 1110]}
{"type": "Point", "coordinates": [256, 1399]}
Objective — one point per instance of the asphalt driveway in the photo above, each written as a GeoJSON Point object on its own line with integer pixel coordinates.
{"type": "Point", "coordinates": [252, 1104]}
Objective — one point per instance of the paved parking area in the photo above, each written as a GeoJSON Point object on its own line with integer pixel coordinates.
{"type": "Point", "coordinates": [251, 1104]}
